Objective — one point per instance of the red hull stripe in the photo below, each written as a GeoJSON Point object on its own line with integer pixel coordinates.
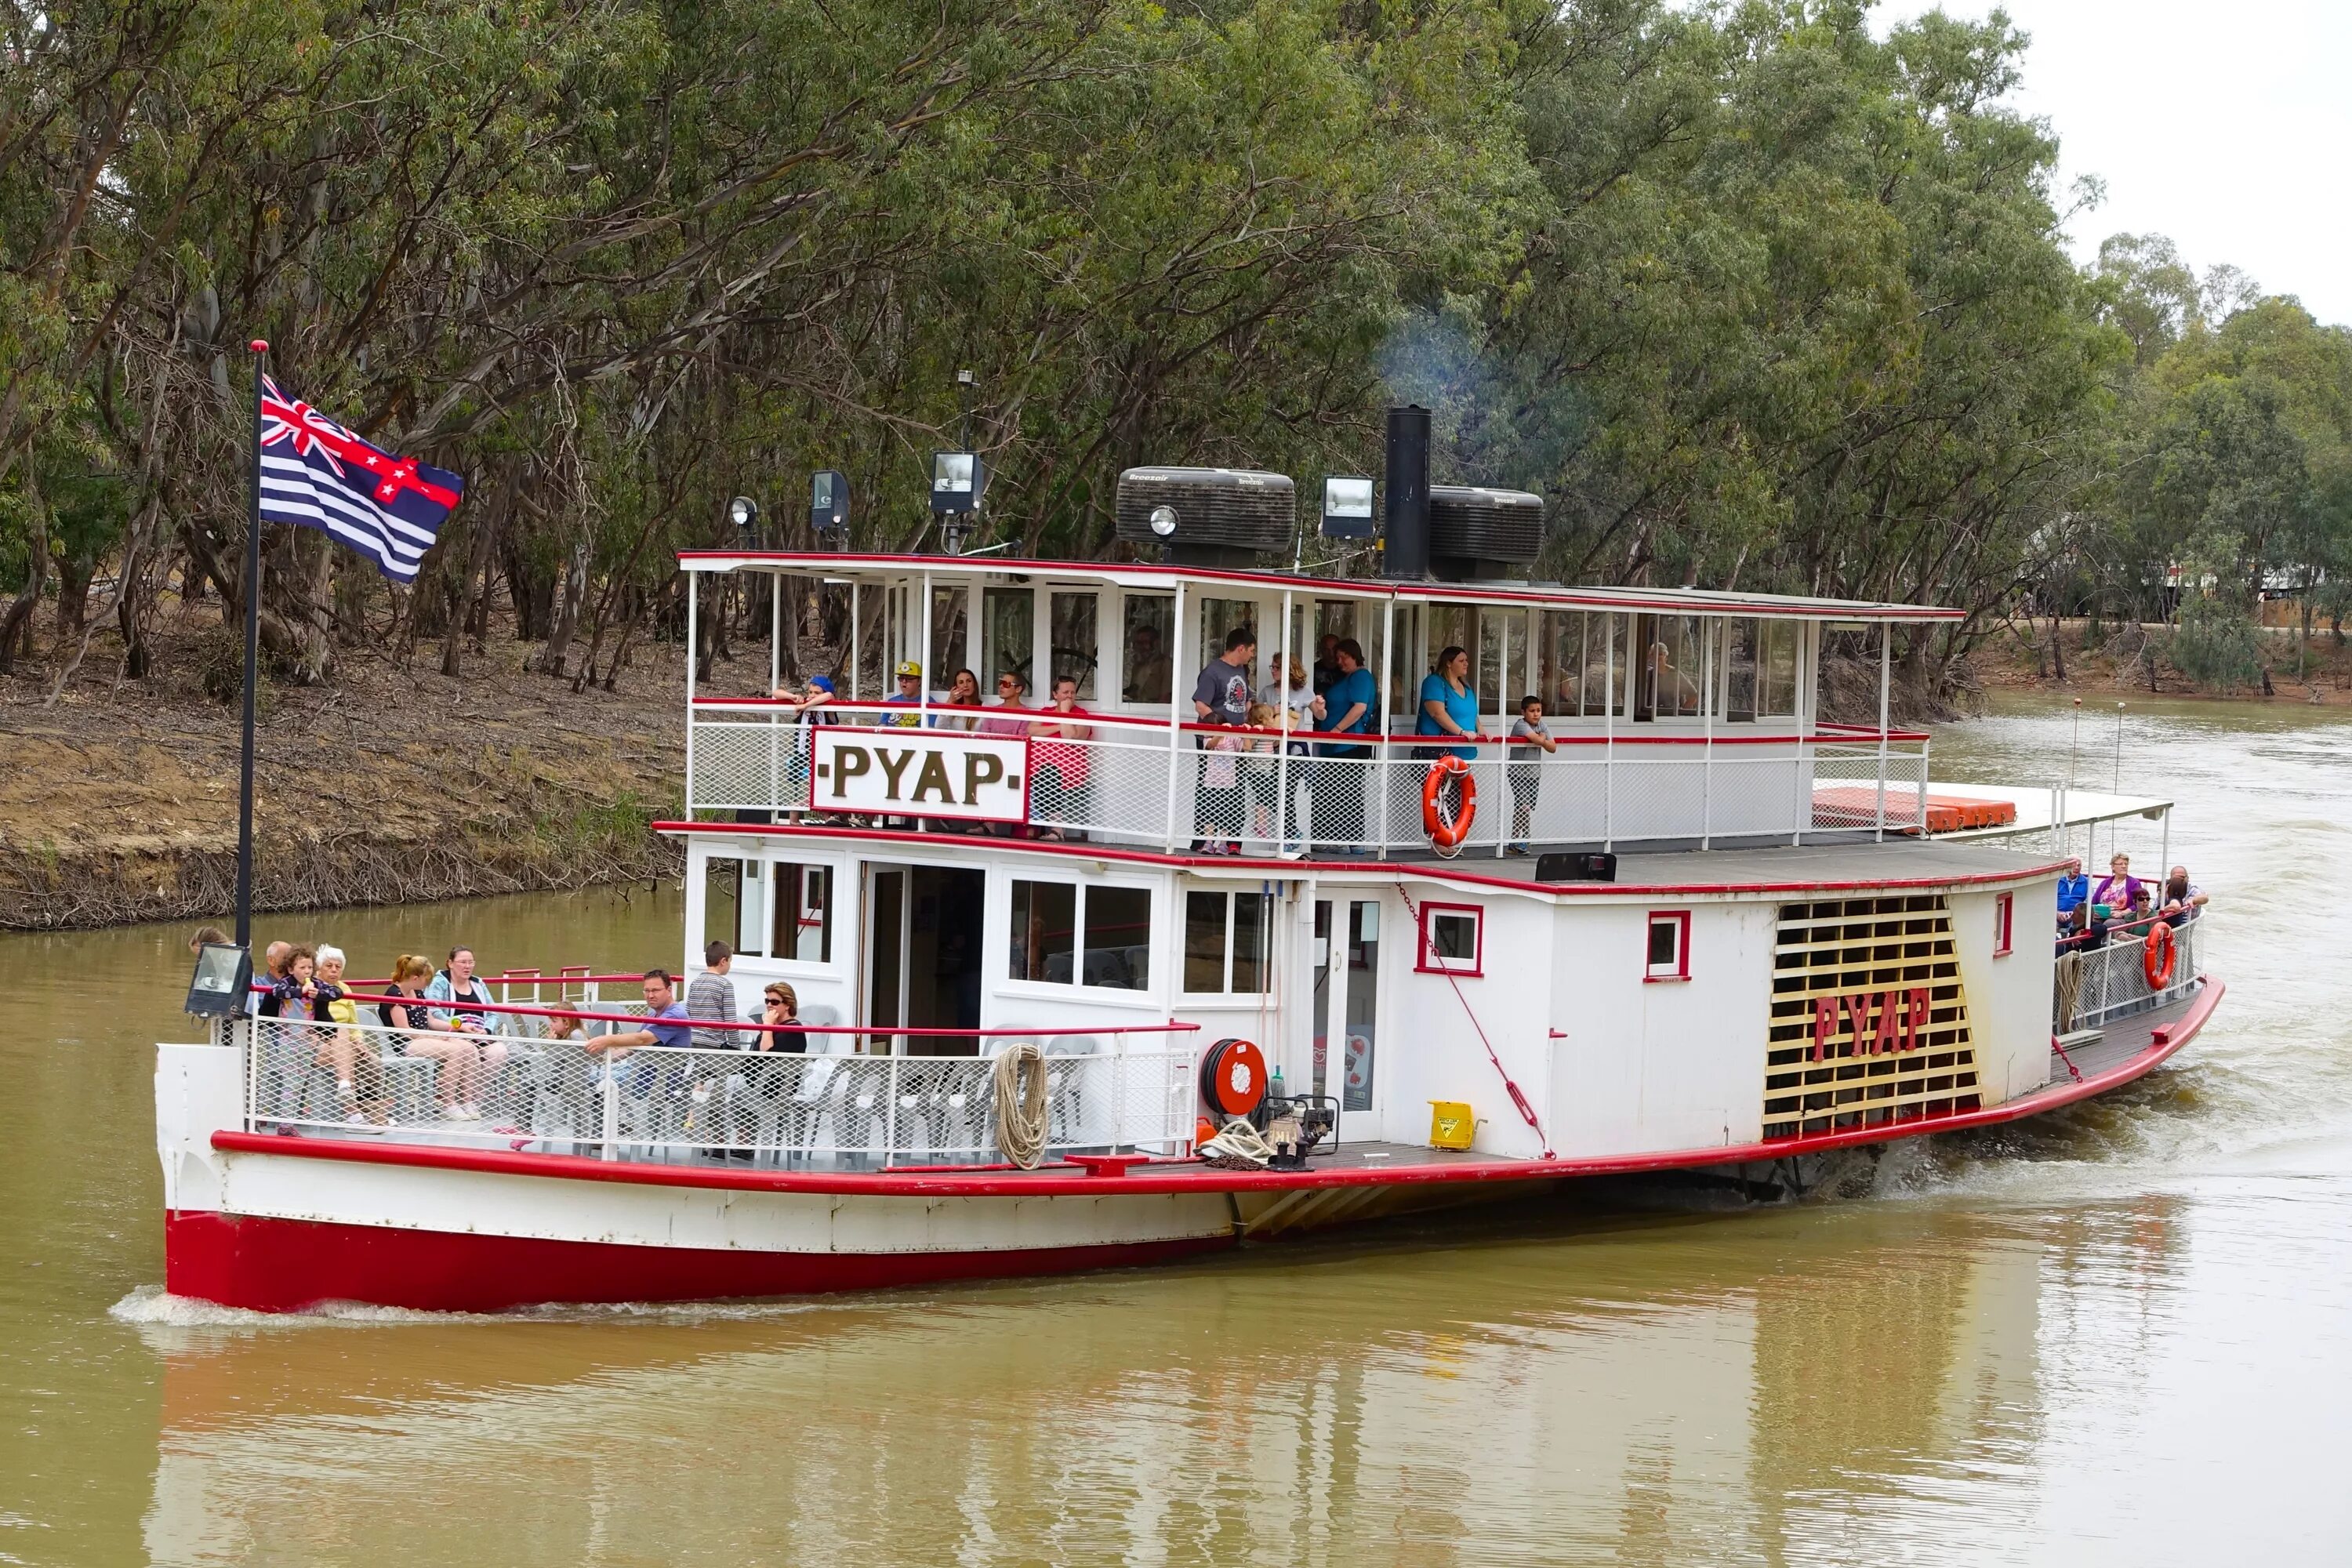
{"type": "Point", "coordinates": [288, 1265]}
{"type": "Point", "coordinates": [1185, 1177]}
{"type": "Point", "coordinates": [1417, 870]}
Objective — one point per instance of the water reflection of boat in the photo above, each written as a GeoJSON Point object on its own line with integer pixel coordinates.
{"type": "Point", "coordinates": [1745, 938]}
{"type": "Point", "coordinates": [1661, 1389]}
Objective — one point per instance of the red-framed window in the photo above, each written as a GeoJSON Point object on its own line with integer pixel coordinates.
{"type": "Point", "coordinates": [1667, 946]}
{"type": "Point", "coordinates": [1452, 940]}
{"type": "Point", "coordinates": [2004, 913]}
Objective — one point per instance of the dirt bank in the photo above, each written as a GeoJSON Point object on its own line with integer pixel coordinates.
{"type": "Point", "coordinates": [119, 803]}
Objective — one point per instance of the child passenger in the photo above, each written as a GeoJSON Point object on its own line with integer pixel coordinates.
{"type": "Point", "coordinates": [1526, 778]}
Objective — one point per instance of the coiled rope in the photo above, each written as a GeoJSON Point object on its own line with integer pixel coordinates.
{"type": "Point", "coordinates": [2070, 988]}
{"type": "Point", "coordinates": [1019, 1104]}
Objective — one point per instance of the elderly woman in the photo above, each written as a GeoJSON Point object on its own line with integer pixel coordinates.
{"type": "Point", "coordinates": [2118, 889]}
{"type": "Point", "coordinates": [357, 1064]}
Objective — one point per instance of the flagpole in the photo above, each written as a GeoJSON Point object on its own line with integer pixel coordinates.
{"type": "Point", "coordinates": [260, 349]}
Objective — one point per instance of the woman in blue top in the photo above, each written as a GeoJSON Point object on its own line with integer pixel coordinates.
{"type": "Point", "coordinates": [1448, 706]}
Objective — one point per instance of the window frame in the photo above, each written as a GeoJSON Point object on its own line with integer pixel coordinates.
{"type": "Point", "coordinates": [1681, 921]}
{"type": "Point", "coordinates": [1081, 885]}
{"type": "Point", "coordinates": [832, 906]}
{"type": "Point", "coordinates": [1269, 903]}
{"type": "Point", "coordinates": [1430, 962]}
{"type": "Point", "coordinates": [2004, 924]}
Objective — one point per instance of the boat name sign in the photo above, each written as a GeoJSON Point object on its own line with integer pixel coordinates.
{"type": "Point", "coordinates": [919, 772]}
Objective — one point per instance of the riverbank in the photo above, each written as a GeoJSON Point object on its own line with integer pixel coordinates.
{"type": "Point", "coordinates": [2128, 659]}
{"type": "Point", "coordinates": [393, 784]}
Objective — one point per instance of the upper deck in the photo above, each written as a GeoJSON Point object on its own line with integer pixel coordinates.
{"type": "Point", "coordinates": [1681, 716]}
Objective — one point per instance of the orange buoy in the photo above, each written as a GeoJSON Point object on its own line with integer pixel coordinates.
{"type": "Point", "coordinates": [2157, 958]}
{"type": "Point", "coordinates": [1447, 832]}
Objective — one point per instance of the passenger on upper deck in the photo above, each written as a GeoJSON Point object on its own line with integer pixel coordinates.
{"type": "Point", "coordinates": [910, 693]}
{"type": "Point", "coordinates": [468, 1066]}
{"type": "Point", "coordinates": [1222, 694]}
{"type": "Point", "coordinates": [273, 969]}
{"type": "Point", "coordinates": [1336, 793]}
{"type": "Point", "coordinates": [666, 1022]}
{"type": "Point", "coordinates": [1525, 773]}
{"type": "Point", "coordinates": [1448, 706]}
{"type": "Point", "coordinates": [2082, 929]}
{"type": "Point", "coordinates": [1292, 693]}
{"type": "Point", "coordinates": [963, 691]}
{"type": "Point", "coordinates": [2073, 888]}
{"type": "Point", "coordinates": [1328, 672]}
{"type": "Point", "coordinates": [2184, 900]}
{"type": "Point", "coordinates": [1012, 689]}
{"type": "Point", "coordinates": [1059, 769]}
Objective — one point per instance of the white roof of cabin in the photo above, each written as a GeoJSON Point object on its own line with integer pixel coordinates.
{"type": "Point", "coordinates": [1152, 575]}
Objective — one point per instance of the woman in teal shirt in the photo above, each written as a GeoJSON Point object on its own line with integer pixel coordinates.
{"type": "Point", "coordinates": [1448, 706]}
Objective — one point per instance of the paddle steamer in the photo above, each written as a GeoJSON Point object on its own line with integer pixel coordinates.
{"type": "Point", "coordinates": [1044, 955]}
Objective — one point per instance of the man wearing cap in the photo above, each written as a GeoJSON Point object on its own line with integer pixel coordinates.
{"type": "Point", "coordinates": [911, 691]}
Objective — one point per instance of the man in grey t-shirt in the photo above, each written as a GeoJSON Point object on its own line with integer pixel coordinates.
{"type": "Point", "coordinates": [711, 995]}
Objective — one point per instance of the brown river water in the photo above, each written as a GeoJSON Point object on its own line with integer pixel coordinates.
{"type": "Point", "coordinates": [2122, 1335]}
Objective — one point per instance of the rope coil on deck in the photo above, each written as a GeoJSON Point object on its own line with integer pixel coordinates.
{"type": "Point", "coordinates": [1019, 1104]}
{"type": "Point", "coordinates": [2070, 988]}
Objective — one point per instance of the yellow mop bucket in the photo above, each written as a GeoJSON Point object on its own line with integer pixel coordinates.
{"type": "Point", "coordinates": [1451, 1125]}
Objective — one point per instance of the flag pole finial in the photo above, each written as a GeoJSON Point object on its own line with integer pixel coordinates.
{"type": "Point", "coordinates": [259, 345]}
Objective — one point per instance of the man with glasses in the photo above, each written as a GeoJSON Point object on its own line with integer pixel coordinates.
{"type": "Point", "coordinates": [910, 693]}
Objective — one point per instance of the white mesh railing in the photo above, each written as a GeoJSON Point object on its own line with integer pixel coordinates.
{"type": "Point", "coordinates": [528, 1092]}
{"type": "Point", "coordinates": [2112, 980]}
{"type": "Point", "coordinates": [1263, 794]}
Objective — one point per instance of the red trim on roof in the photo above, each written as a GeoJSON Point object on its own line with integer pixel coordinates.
{"type": "Point", "coordinates": [1691, 602]}
{"type": "Point", "coordinates": [1393, 870]}
{"type": "Point", "coordinates": [1184, 1176]}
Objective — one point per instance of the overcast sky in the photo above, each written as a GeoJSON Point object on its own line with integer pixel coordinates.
{"type": "Point", "coordinates": [2228, 127]}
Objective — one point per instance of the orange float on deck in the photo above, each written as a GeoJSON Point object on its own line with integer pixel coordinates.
{"type": "Point", "coordinates": [1856, 806]}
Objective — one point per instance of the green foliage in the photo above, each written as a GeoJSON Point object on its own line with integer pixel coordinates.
{"type": "Point", "coordinates": [2215, 644]}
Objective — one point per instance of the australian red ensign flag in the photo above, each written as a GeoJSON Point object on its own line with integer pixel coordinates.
{"type": "Point", "coordinates": [316, 474]}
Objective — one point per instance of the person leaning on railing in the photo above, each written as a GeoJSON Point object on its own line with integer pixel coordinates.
{"type": "Point", "coordinates": [2184, 900]}
{"type": "Point", "coordinates": [1060, 771]}
{"type": "Point", "coordinates": [1352, 707]}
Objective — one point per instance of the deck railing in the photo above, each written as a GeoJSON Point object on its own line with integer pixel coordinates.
{"type": "Point", "coordinates": [1148, 784]}
{"type": "Point", "coordinates": [2111, 980]}
{"type": "Point", "coordinates": [835, 1108]}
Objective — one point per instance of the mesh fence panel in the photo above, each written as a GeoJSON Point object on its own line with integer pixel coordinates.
{"type": "Point", "coordinates": [531, 1093]}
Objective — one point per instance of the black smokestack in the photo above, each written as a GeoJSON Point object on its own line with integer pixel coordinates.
{"type": "Point", "coordinates": [1405, 549]}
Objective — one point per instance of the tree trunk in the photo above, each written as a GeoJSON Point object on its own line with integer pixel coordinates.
{"type": "Point", "coordinates": [2057, 647]}
{"type": "Point", "coordinates": [73, 597]}
{"type": "Point", "coordinates": [567, 612]}
{"type": "Point", "coordinates": [18, 620]}
{"type": "Point", "coordinates": [481, 549]}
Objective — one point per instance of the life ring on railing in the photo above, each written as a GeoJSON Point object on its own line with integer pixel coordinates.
{"type": "Point", "coordinates": [1448, 833]}
{"type": "Point", "coordinates": [1233, 1079]}
{"type": "Point", "coordinates": [2157, 958]}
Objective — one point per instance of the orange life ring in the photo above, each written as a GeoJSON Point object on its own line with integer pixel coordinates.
{"type": "Point", "coordinates": [1447, 834]}
{"type": "Point", "coordinates": [2158, 957]}
{"type": "Point", "coordinates": [1233, 1078]}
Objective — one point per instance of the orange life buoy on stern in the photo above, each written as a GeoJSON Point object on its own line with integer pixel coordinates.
{"type": "Point", "coordinates": [1448, 833]}
{"type": "Point", "coordinates": [2157, 958]}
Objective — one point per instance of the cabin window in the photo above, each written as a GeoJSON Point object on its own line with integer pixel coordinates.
{"type": "Point", "coordinates": [1673, 667]}
{"type": "Point", "coordinates": [1451, 939]}
{"type": "Point", "coordinates": [1776, 676]}
{"type": "Point", "coordinates": [2004, 909]}
{"type": "Point", "coordinates": [734, 906]}
{"type": "Point", "coordinates": [1669, 946]}
{"type": "Point", "coordinates": [1739, 642]}
{"type": "Point", "coordinates": [1228, 942]}
{"type": "Point", "coordinates": [1149, 628]}
{"type": "Point", "coordinates": [1008, 637]}
{"type": "Point", "coordinates": [1580, 659]}
{"type": "Point", "coordinates": [1071, 624]}
{"type": "Point", "coordinates": [951, 615]}
{"type": "Point", "coordinates": [801, 903]}
{"type": "Point", "coordinates": [1219, 616]}
{"type": "Point", "coordinates": [1068, 934]}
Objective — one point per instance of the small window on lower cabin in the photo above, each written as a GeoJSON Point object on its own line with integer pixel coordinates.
{"type": "Point", "coordinates": [1451, 938]}
{"type": "Point", "coordinates": [801, 900]}
{"type": "Point", "coordinates": [1226, 943]}
{"type": "Point", "coordinates": [1048, 919]}
{"type": "Point", "coordinates": [2004, 907]}
{"type": "Point", "coordinates": [1669, 956]}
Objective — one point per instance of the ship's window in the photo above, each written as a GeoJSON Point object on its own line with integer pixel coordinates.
{"type": "Point", "coordinates": [1047, 920]}
{"type": "Point", "coordinates": [722, 901]}
{"type": "Point", "coordinates": [951, 619]}
{"type": "Point", "coordinates": [2004, 907]}
{"type": "Point", "coordinates": [1776, 684]}
{"type": "Point", "coordinates": [1227, 942]}
{"type": "Point", "coordinates": [1075, 648]}
{"type": "Point", "coordinates": [1008, 636]}
{"type": "Point", "coordinates": [1219, 616]}
{"type": "Point", "coordinates": [1669, 947]}
{"type": "Point", "coordinates": [1738, 640]}
{"type": "Point", "coordinates": [1145, 647]}
{"type": "Point", "coordinates": [801, 900]}
{"type": "Point", "coordinates": [1451, 939]}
